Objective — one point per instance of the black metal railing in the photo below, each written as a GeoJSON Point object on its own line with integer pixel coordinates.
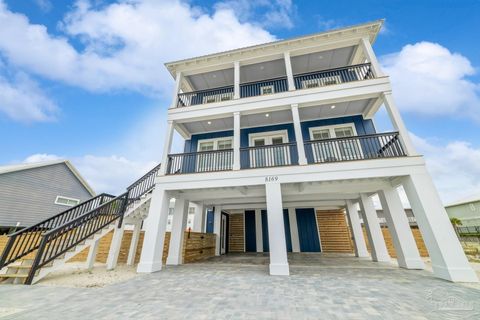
{"type": "Point", "coordinates": [143, 185]}
{"type": "Point", "coordinates": [188, 99]}
{"type": "Point", "coordinates": [373, 146]}
{"type": "Point", "coordinates": [469, 231]}
{"type": "Point", "coordinates": [27, 240]}
{"type": "Point", "coordinates": [284, 154]}
{"type": "Point", "coordinates": [56, 235]}
{"type": "Point", "coordinates": [203, 161]}
{"type": "Point", "coordinates": [333, 76]}
{"type": "Point", "coordinates": [264, 87]}
{"type": "Point", "coordinates": [58, 241]}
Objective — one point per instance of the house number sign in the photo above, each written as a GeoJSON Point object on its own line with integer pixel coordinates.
{"type": "Point", "coordinates": [270, 179]}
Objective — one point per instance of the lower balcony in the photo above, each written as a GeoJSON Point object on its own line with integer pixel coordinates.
{"type": "Point", "coordinates": [364, 147]}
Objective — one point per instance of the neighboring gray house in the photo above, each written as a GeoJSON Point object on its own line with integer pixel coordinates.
{"type": "Point", "coordinates": [33, 192]}
{"type": "Point", "coordinates": [467, 210]}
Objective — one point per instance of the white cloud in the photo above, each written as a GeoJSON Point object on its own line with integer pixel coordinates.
{"type": "Point", "coordinates": [125, 43]}
{"type": "Point", "coordinates": [22, 99]}
{"type": "Point", "coordinates": [44, 5]}
{"type": "Point", "coordinates": [275, 14]}
{"type": "Point", "coordinates": [454, 166]}
{"type": "Point", "coordinates": [111, 174]}
{"type": "Point", "coordinates": [39, 157]}
{"type": "Point", "coordinates": [429, 79]}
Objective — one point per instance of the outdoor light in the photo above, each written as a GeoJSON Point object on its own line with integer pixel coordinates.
{"type": "Point", "coordinates": [320, 57]}
{"type": "Point", "coordinates": [209, 122]}
{"type": "Point", "coordinates": [332, 107]}
{"type": "Point", "coordinates": [267, 115]}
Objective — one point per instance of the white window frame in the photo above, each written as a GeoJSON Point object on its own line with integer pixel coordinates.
{"type": "Point", "coordinates": [320, 82]}
{"type": "Point", "coordinates": [215, 148]}
{"type": "Point", "coordinates": [68, 199]}
{"type": "Point", "coordinates": [268, 136]}
{"type": "Point", "coordinates": [331, 129]}
{"type": "Point", "coordinates": [268, 86]}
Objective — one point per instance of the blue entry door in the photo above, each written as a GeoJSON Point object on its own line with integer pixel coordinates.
{"type": "Point", "coordinates": [250, 232]}
{"type": "Point", "coordinates": [210, 219]}
{"type": "Point", "coordinates": [307, 230]}
{"type": "Point", "coordinates": [266, 247]}
{"type": "Point", "coordinates": [286, 223]}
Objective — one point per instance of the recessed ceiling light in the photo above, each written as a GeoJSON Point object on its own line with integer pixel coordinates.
{"type": "Point", "coordinates": [214, 75]}
{"type": "Point", "coordinates": [267, 115]}
{"type": "Point", "coordinates": [332, 107]}
{"type": "Point", "coordinates": [262, 67]}
{"type": "Point", "coordinates": [320, 57]}
{"type": "Point", "coordinates": [209, 122]}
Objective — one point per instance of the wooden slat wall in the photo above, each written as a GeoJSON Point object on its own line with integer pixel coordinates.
{"type": "Point", "coordinates": [334, 232]}
{"type": "Point", "coordinates": [236, 241]}
{"type": "Point", "coordinates": [197, 246]}
{"type": "Point", "coordinates": [391, 249]}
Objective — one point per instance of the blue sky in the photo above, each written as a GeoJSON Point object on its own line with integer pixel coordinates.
{"type": "Point", "coordinates": [85, 80]}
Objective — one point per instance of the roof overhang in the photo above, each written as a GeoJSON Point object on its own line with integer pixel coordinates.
{"type": "Point", "coordinates": [369, 30]}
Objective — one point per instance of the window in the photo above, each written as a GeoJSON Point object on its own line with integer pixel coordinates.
{"type": "Point", "coordinates": [267, 90]}
{"type": "Point", "coordinates": [64, 201]}
{"type": "Point", "coordinates": [214, 161]}
{"type": "Point", "coordinates": [335, 150]}
{"type": "Point", "coordinates": [268, 155]}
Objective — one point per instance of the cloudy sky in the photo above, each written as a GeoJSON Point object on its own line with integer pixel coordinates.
{"type": "Point", "coordinates": [85, 80]}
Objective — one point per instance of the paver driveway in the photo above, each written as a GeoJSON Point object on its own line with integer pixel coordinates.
{"type": "Point", "coordinates": [326, 288]}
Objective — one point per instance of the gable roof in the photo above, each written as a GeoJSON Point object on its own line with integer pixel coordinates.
{"type": "Point", "coordinates": [471, 198]}
{"type": "Point", "coordinates": [33, 165]}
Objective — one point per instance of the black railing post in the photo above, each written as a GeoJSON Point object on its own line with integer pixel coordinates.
{"type": "Point", "coordinates": [6, 250]}
{"type": "Point", "coordinates": [36, 261]}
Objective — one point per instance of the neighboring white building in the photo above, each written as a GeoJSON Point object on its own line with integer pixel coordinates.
{"type": "Point", "coordinates": [467, 210]}
{"type": "Point", "coordinates": [280, 131]}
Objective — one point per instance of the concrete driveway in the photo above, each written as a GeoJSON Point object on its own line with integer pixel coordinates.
{"type": "Point", "coordinates": [336, 288]}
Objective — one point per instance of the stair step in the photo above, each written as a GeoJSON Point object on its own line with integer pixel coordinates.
{"type": "Point", "coordinates": [19, 267]}
{"type": "Point", "coordinates": [13, 275]}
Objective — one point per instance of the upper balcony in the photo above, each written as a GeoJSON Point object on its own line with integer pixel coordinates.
{"type": "Point", "coordinates": [277, 70]}
{"type": "Point", "coordinates": [301, 80]}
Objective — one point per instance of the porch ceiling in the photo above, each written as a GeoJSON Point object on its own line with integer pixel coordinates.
{"type": "Point", "coordinates": [210, 80]}
{"type": "Point", "coordinates": [341, 109]}
{"type": "Point", "coordinates": [323, 60]}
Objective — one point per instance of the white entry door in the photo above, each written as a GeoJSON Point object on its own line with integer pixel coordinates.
{"type": "Point", "coordinates": [267, 155]}
{"type": "Point", "coordinates": [214, 161]}
{"type": "Point", "coordinates": [223, 233]}
{"type": "Point", "coordinates": [335, 150]}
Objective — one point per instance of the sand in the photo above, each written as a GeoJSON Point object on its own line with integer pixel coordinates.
{"type": "Point", "coordinates": [75, 275]}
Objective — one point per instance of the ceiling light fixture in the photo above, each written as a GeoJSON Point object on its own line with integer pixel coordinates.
{"type": "Point", "coordinates": [209, 122]}
{"type": "Point", "coordinates": [332, 107]}
{"type": "Point", "coordinates": [267, 115]}
{"type": "Point", "coordinates": [320, 57]}
{"type": "Point", "coordinates": [214, 76]}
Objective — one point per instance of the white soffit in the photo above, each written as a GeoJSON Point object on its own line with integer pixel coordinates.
{"type": "Point", "coordinates": [341, 109]}
{"type": "Point", "coordinates": [322, 60]}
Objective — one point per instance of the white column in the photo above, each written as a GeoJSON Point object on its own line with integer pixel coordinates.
{"type": "Point", "coordinates": [177, 88]}
{"type": "Point", "coordinates": [236, 141]}
{"type": "Point", "coordinates": [374, 232]}
{"type": "Point", "coordinates": [302, 159]}
{"type": "Point", "coordinates": [408, 256]}
{"type": "Point", "coordinates": [398, 124]}
{"type": "Point", "coordinates": [92, 254]}
{"type": "Point", "coordinates": [370, 55]}
{"type": "Point", "coordinates": [288, 69]}
{"type": "Point", "coordinates": [259, 230]}
{"type": "Point", "coordinates": [199, 220]}
{"type": "Point", "coordinates": [179, 224]}
{"type": "Point", "coordinates": [115, 247]}
{"type": "Point", "coordinates": [167, 146]}
{"type": "Point", "coordinates": [132, 251]}
{"type": "Point", "coordinates": [357, 232]}
{"type": "Point", "coordinates": [236, 80]}
{"type": "Point", "coordinates": [448, 259]}
{"type": "Point", "coordinates": [155, 226]}
{"type": "Point", "coordinates": [292, 216]}
{"type": "Point", "coordinates": [276, 230]}
{"type": "Point", "coordinates": [217, 219]}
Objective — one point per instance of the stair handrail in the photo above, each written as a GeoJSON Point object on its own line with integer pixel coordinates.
{"type": "Point", "coordinates": [144, 184]}
{"type": "Point", "coordinates": [30, 241]}
{"type": "Point", "coordinates": [59, 240]}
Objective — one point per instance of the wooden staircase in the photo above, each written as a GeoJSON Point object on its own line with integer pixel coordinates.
{"type": "Point", "coordinates": [56, 240]}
